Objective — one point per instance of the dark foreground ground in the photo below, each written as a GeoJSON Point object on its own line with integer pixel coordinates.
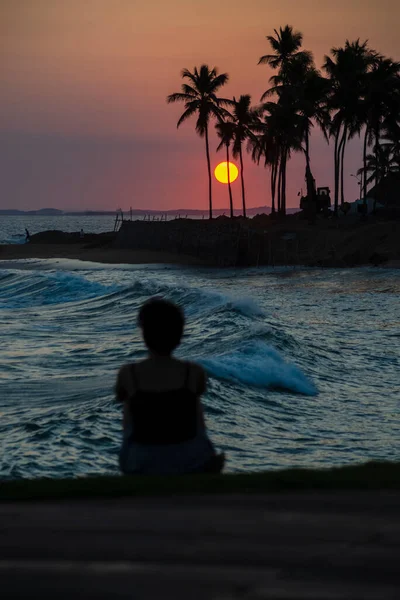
{"type": "Point", "coordinates": [298, 545]}
{"type": "Point", "coordinates": [295, 534]}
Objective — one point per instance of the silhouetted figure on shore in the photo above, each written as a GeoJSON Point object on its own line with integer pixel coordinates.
{"type": "Point", "coordinates": [163, 424]}
{"type": "Point", "coordinates": [27, 235]}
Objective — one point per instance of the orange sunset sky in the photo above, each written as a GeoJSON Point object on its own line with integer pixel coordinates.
{"type": "Point", "coordinates": [84, 122]}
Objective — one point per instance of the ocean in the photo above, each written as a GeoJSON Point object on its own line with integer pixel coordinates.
{"type": "Point", "coordinates": [12, 227]}
{"type": "Point", "coordinates": [303, 364]}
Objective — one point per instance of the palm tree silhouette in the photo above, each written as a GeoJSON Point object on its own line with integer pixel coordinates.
{"type": "Point", "coordinates": [347, 72]}
{"type": "Point", "coordinates": [360, 94]}
{"type": "Point", "coordinates": [391, 133]}
{"type": "Point", "coordinates": [200, 99]}
{"type": "Point", "coordinates": [300, 90]}
{"type": "Point", "coordinates": [286, 49]}
{"type": "Point", "coordinates": [225, 132]}
{"type": "Point", "coordinates": [266, 146]}
{"type": "Point", "coordinates": [312, 106]}
{"type": "Point", "coordinates": [382, 101]}
{"type": "Point", "coordinates": [245, 120]}
{"type": "Point", "coordinates": [303, 87]}
{"type": "Point", "coordinates": [284, 126]}
{"type": "Point", "coordinates": [380, 164]}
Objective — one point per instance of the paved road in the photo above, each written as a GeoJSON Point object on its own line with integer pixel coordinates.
{"type": "Point", "coordinates": [280, 546]}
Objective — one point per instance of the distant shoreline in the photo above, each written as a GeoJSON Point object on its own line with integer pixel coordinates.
{"type": "Point", "coordinates": [137, 212]}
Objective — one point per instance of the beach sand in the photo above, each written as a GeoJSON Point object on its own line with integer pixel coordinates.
{"type": "Point", "coordinates": [101, 255]}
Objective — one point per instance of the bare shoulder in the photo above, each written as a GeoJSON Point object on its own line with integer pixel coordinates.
{"type": "Point", "coordinates": [196, 368]}
{"type": "Point", "coordinates": [197, 377]}
{"type": "Point", "coordinates": [124, 371]}
{"type": "Point", "coordinates": [123, 386]}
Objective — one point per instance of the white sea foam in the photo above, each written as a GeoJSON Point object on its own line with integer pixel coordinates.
{"type": "Point", "coordinates": [258, 364]}
{"type": "Point", "coordinates": [245, 305]}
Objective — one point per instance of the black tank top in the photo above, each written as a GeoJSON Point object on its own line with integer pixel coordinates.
{"type": "Point", "coordinates": [165, 417]}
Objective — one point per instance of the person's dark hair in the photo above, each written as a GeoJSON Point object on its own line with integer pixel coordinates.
{"type": "Point", "coordinates": [162, 324]}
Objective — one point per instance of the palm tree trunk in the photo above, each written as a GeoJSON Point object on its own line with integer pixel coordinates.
{"type": "Point", "coordinates": [364, 175]}
{"type": "Point", "coordinates": [307, 149]}
{"type": "Point", "coordinates": [341, 151]}
{"type": "Point", "coordinates": [342, 175]}
{"type": "Point", "coordinates": [377, 178]}
{"type": "Point", "coordinates": [284, 183]}
{"type": "Point", "coordinates": [229, 181]}
{"type": "Point", "coordinates": [279, 167]}
{"type": "Point", "coordinates": [242, 180]}
{"type": "Point", "coordinates": [308, 165]}
{"type": "Point", "coordinates": [377, 157]}
{"type": "Point", "coordinates": [274, 172]}
{"type": "Point", "coordinates": [336, 172]}
{"type": "Point", "coordinates": [209, 174]}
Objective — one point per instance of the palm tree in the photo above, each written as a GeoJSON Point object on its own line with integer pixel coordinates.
{"type": "Point", "coordinates": [306, 90]}
{"type": "Point", "coordinates": [380, 164]}
{"type": "Point", "coordinates": [284, 128]}
{"type": "Point", "coordinates": [265, 146]}
{"type": "Point", "coordinates": [347, 72]}
{"type": "Point", "coordinates": [286, 50]}
{"type": "Point", "coordinates": [225, 132]}
{"type": "Point", "coordinates": [301, 95]}
{"type": "Point", "coordinates": [312, 106]}
{"type": "Point", "coordinates": [384, 161]}
{"type": "Point", "coordinates": [245, 120]}
{"type": "Point", "coordinates": [200, 99]}
{"type": "Point", "coordinates": [382, 103]}
{"type": "Point", "coordinates": [391, 133]}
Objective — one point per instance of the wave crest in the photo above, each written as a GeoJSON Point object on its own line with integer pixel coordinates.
{"type": "Point", "coordinates": [25, 289]}
{"type": "Point", "coordinates": [259, 365]}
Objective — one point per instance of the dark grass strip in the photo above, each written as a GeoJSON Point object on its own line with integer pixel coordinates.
{"type": "Point", "coordinates": [369, 476]}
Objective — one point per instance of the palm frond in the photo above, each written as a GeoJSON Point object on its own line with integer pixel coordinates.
{"type": "Point", "coordinates": [218, 81]}
{"type": "Point", "coordinates": [186, 74]}
{"type": "Point", "coordinates": [189, 90]}
{"type": "Point", "coordinates": [218, 112]}
{"type": "Point", "coordinates": [189, 112]}
{"type": "Point", "coordinates": [269, 59]}
{"type": "Point", "coordinates": [223, 101]}
{"type": "Point", "coordinates": [178, 97]}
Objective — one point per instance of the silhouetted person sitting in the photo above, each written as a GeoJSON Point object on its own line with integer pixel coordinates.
{"type": "Point", "coordinates": [164, 429]}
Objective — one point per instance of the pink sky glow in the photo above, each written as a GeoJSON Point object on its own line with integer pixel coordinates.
{"type": "Point", "coordinates": [84, 122]}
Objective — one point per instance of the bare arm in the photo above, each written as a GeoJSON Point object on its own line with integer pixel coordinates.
{"type": "Point", "coordinates": [123, 393]}
{"type": "Point", "coordinates": [201, 389]}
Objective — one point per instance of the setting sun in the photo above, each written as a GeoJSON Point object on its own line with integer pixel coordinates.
{"type": "Point", "coordinates": [221, 172]}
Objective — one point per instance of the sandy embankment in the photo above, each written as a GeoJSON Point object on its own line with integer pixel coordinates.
{"type": "Point", "coordinates": [328, 243]}
{"type": "Point", "coordinates": [101, 255]}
